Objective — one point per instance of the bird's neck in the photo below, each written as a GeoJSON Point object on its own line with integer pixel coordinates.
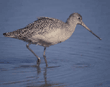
{"type": "Point", "coordinates": [71, 24]}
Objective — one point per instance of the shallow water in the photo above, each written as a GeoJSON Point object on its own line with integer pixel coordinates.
{"type": "Point", "coordinates": [80, 61]}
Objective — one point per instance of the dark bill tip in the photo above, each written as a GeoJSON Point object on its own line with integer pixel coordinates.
{"type": "Point", "coordinates": [100, 38]}
{"type": "Point", "coordinates": [96, 35]}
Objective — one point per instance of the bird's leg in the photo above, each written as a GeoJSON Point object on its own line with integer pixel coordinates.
{"type": "Point", "coordinates": [45, 56]}
{"type": "Point", "coordinates": [45, 60]}
{"type": "Point", "coordinates": [44, 51]}
{"type": "Point", "coordinates": [38, 59]}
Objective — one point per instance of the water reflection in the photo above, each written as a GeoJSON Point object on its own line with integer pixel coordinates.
{"type": "Point", "coordinates": [27, 74]}
{"type": "Point", "coordinates": [45, 83]}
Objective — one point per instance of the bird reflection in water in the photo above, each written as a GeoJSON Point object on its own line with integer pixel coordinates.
{"type": "Point", "coordinates": [44, 83]}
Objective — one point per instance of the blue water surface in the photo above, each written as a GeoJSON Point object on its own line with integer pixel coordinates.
{"type": "Point", "coordinates": [80, 61]}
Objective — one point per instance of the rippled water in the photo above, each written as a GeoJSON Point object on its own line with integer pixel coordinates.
{"type": "Point", "coordinates": [81, 61]}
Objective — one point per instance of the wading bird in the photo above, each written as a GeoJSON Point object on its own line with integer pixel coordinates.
{"type": "Point", "coordinates": [47, 31]}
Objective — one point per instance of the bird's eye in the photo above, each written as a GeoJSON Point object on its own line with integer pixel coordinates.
{"type": "Point", "coordinates": [79, 18]}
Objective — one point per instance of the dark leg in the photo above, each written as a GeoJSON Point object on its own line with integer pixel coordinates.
{"type": "Point", "coordinates": [38, 59]}
{"type": "Point", "coordinates": [45, 56]}
{"type": "Point", "coordinates": [44, 51]}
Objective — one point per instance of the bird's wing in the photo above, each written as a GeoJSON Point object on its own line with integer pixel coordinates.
{"type": "Point", "coordinates": [42, 26]}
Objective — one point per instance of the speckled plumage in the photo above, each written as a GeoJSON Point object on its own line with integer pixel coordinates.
{"type": "Point", "coordinates": [42, 28]}
{"type": "Point", "coordinates": [48, 31]}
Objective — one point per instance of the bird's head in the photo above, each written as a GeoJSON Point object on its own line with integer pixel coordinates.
{"type": "Point", "coordinates": [77, 19]}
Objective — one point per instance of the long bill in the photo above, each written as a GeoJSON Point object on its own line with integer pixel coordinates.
{"type": "Point", "coordinates": [90, 30]}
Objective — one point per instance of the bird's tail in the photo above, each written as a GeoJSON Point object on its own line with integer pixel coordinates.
{"type": "Point", "coordinates": [14, 34]}
{"type": "Point", "coordinates": [9, 34]}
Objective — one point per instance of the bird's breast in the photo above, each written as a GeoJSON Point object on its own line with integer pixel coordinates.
{"type": "Point", "coordinates": [57, 36]}
{"type": "Point", "coordinates": [53, 37]}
